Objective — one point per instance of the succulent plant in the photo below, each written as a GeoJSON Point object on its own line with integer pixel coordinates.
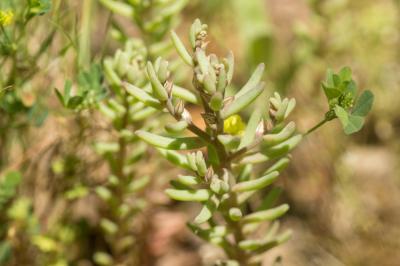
{"type": "Point", "coordinates": [230, 162]}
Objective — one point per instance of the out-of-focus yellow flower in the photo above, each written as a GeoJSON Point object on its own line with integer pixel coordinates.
{"type": "Point", "coordinates": [234, 125]}
{"type": "Point", "coordinates": [6, 17]}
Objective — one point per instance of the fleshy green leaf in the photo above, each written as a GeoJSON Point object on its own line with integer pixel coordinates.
{"type": "Point", "coordinates": [143, 114]}
{"type": "Point", "coordinates": [206, 212]}
{"type": "Point", "coordinates": [283, 147]}
{"type": "Point", "coordinates": [265, 244]}
{"type": "Point", "coordinates": [235, 214]}
{"type": "Point", "coordinates": [187, 143]}
{"type": "Point", "coordinates": [188, 180]}
{"type": "Point", "coordinates": [180, 47]}
{"type": "Point", "coordinates": [253, 81]}
{"type": "Point", "coordinates": [178, 127]}
{"type": "Point", "coordinates": [284, 134]}
{"type": "Point", "coordinates": [142, 96]}
{"type": "Point", "coordinates": [270, 199]}
{"type": "Point", "coordinates": [243, 101]}
{"type": "Point", "coordinates": [202, 60]}
{"type": "Point", "coordinates": [278, 166]}
{"type": "Point", "coordinates": [139, 183]}
{"type": "Point", "coordinates": [267, 215]}
{"type": "Point", "coordinates": [189, 195]}
{"type": "Point", "coordinates": [230, 63]}
{"type": "Point", "coordinates": [119, 7]}
{"type": "Point", "coordinates": [184, 94]}
{"type": "Point", "coordinates": [158, 89]}
{"type": "Point", "coordinates": [175, 158]}
{"type": "Point", "coordinates": [216, 101]}
{"type": "Point", "coordinates": [256, 184]}
{"type": "Point", "coordinates": [250, 132]}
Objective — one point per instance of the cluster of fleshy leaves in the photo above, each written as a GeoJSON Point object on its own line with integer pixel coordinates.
{"type": "Point", "coordinates": [155, 17]}
{"type": "Point", "coordinates": [124, 191]}
{"type": "Point", "coordinates": [223, 177]}
{"type": "Point", "coordinates": [341, 91]}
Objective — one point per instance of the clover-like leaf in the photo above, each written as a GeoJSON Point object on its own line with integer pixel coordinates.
{"type": "Point", "coordinates": [363, 104]}
{"type": "Point", "coordinates": [331, 92]}
{"type": "Point", "coordinates": [350, 123]}
{"type": "Point", "coordinates": [345, 74]}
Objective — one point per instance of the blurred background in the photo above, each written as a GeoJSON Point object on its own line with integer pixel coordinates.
{"type": "Point", "coordinates": [344, 192]}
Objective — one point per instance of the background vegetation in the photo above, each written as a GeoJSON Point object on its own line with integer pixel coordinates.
{"type": "Point", "coordinates": [59, 203]}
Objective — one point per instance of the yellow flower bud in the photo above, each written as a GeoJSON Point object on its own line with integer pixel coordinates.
{"type": "Point", "coordinates": [234, 125]}
{"type": "Point", "coordinates": [6, 17]}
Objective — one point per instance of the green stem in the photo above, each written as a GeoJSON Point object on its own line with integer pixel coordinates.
{"type": "Point", "coordinates": [316, 126]}
{"type": "Point", "coordinates": [84, 40]}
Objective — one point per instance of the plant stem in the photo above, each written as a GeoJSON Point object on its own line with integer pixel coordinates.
{"type": "Point", "coordinates": [316, 126]}
{"type": "Point", "coordinates": [84, 40]}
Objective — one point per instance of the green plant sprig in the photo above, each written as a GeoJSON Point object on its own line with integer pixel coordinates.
{"type": "Point", "coordinates": [341, 91]}
{"type": "Point", "coordinates": [224, 179]}
{"type": "Point", "coordinates": [125, 190]}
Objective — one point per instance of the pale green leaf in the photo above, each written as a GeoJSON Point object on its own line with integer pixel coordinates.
{"type": "Point", "coordinates": [186, 143]}
{"type": "Point", "coordinates": [363, 104]}
{"type": "Point", "coordinates": [189, 195]}
{"type": "Point", "coordinates": [180, 47]}
{"type": "Point", "coordinates": [239, 103]}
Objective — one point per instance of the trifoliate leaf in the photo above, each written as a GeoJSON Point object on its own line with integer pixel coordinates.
{"type": "Point", "coordinates": [363, 104]}
{"type": "Point", "coordinates": [350, 123]}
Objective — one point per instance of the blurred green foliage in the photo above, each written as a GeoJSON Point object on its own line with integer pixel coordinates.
{"type": "Point", "coordinates": [71, 207]}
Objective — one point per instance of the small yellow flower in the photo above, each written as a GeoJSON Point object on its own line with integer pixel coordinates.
{"type": "Point", "coordinates": [6, 17]}
{"type": "Point", "coordinates": [234, 125]}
